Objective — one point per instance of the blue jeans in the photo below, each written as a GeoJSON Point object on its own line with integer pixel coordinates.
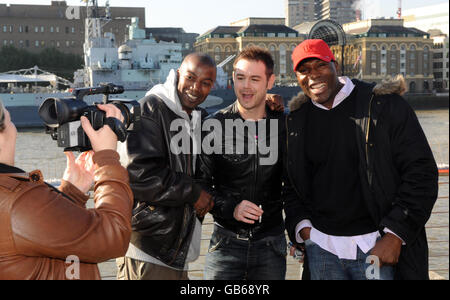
{"type": "Point", "coordinates": [324, 265]}
{"type": "Point", "coordinates": [230, 258]}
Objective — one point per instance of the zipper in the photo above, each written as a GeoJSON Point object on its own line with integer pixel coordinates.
{"type": "Point", "coordinates": [186, 207]}
{"type": "Point", "coordinates": [368, 128]}
{"type": "Point", "coordinates": [287, 156]}
{"type": "Point", "coordinates": [369, 171]}
{"type": "Point", "coordinates": [255, 165]}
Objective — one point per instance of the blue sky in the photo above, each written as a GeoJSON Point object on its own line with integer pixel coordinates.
{"type": "Point", "coordinates": [201, 15]}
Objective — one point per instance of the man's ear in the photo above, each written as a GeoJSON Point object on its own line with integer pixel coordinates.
{"type": "Point", "coordinates": [337, 67]}
{"type": "Point", "coordinates": [271, 82]}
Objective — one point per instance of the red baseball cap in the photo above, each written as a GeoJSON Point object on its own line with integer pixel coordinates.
{"type": "Point", "coordinates": [311, 48]}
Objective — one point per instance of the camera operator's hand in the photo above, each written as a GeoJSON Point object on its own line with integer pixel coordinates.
{"type": "Point", "coordinates": [80, 172]}
{"type": "Point", "coordinates": [104, 138]}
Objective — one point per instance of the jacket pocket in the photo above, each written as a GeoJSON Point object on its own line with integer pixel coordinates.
{"type": "Point", "coordinates": [156, 220]}
{"type": "Point", "coordinates": [216, 241]}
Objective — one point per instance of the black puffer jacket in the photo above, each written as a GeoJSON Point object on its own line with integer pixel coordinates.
{"type": "Point", "coordinates": [399, 176]}
{"type": "Point", "coordinates": [164, 191]}
{"type": "Point", "coordinates": [254, 175]}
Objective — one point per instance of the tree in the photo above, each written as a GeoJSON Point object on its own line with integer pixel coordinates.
{"type": "Point", "coordinates": [49, 59]}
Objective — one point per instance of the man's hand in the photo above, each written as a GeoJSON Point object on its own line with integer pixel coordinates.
{"type": "Point", "coordinates": [104, 138]}
{"type": "Point", "coordinates": [80, 172]}
{"type": "Point", "coordinates": [292, 252]}
{"type": "Point", "coordinates": [247, 212]}
{"type": "Point", "coordinates": [388, 249]}
{"type": "Point", "coordinates": [305, 233]}
{"type": "Point", "coordinates": [204, 204]}
{"type": "Point", "coordinates": [275, 102]}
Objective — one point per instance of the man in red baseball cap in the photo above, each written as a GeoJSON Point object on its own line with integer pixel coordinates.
{"type": "Point", "coordinates": [362, 179]}
{"type": "Point", "coordinates": [316, 70]}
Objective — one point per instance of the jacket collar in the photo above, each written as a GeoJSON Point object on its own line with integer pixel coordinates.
{"type": "Point", "coordinates": [395, 85]}
{"type": "Point", "coordinates": [10, 171]}
{"type": "Point", "coordinates": [7, 169]}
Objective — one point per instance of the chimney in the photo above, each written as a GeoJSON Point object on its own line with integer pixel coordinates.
{"type": "Point", "coordinates": [358, 15]}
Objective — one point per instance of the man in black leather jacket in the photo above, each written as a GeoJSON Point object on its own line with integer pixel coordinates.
{"type": "Point", "coordinates": [243, 175]}
{"type": "Point", "coordinates": [167, 203]}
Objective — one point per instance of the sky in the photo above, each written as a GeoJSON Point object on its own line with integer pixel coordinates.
{"type": "Point", "coordinates": [200, 16]}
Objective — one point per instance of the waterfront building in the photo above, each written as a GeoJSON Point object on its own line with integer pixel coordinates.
{"type": "Point", "coordinates": [379, 48]}
{"type": "Point", "coordinates": [222, 42]}
{"type": "Point", "coordinates": [36, 27]}
{"type": "Point", "coordinates": [440, 60]}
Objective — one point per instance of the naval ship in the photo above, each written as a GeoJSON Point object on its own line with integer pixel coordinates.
{"type": "Point", "coordinates": [137, 65]}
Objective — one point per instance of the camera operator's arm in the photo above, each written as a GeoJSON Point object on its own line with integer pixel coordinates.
{"type": "Point", "coordinates": [50, 225]}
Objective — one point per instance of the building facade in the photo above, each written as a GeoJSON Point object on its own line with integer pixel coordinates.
{"type": "Point", "coordinates": [341, 11]}
{"type": "Point", "coordinates": [440, 62]}
{"type": "Point", "coordinates": [299, 11]}
{"type": "Point", "coordinates": [302, 11]}
{"type": "Point", "coordinates": [380, 48]}
{"type": "Point", "coordinates": [36, 27]}
{"type": "Point", "coordinates": [223, 41]}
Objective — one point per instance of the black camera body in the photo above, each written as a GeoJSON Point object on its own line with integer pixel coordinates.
{"type": "Point", "coordinates": [62, 116]}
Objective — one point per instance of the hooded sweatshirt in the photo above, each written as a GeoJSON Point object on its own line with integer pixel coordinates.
{"type": "Point", "coordinates": [168, 93]}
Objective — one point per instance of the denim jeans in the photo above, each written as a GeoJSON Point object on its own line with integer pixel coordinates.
{"type": "Point", "coordinates": [324, 265]}
{"type": "Point", "coordinates": [230, 258]}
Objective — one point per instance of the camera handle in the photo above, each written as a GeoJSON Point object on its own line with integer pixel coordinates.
{"type": "Point", "coordinates": [118, 128]}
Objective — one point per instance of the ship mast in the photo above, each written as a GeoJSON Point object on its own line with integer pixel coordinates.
{"type": "Point", "coordinates": [94, 23]}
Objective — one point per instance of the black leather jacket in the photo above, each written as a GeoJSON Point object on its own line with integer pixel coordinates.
{"type": "Point", "coordinates": [164, 191]}
{"type": "Point", "coordinates": [231, 178]}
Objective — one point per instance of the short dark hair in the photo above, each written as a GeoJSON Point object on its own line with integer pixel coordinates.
{"type": "Point", "coordinates": [203, 58]}
{"type": "Point", "coordinates": [257, 54]}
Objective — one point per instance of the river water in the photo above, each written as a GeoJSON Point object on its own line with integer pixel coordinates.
{"type": "Point", "coordinates": [36, 150]}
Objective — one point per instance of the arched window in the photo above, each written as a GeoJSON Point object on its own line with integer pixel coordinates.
{"type": "Point", "coordinates": [374, 47]}
{"type": "Point", "coordinates": [217, 54]}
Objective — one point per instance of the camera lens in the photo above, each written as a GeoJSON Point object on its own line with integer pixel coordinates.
{"type": "Point", "coordinates": [47, 112]}
{"type": "Point", "coordinates": [55, 111]}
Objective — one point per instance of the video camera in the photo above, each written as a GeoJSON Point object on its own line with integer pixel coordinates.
{"type": "Point", "coordinates": [62, 116]}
